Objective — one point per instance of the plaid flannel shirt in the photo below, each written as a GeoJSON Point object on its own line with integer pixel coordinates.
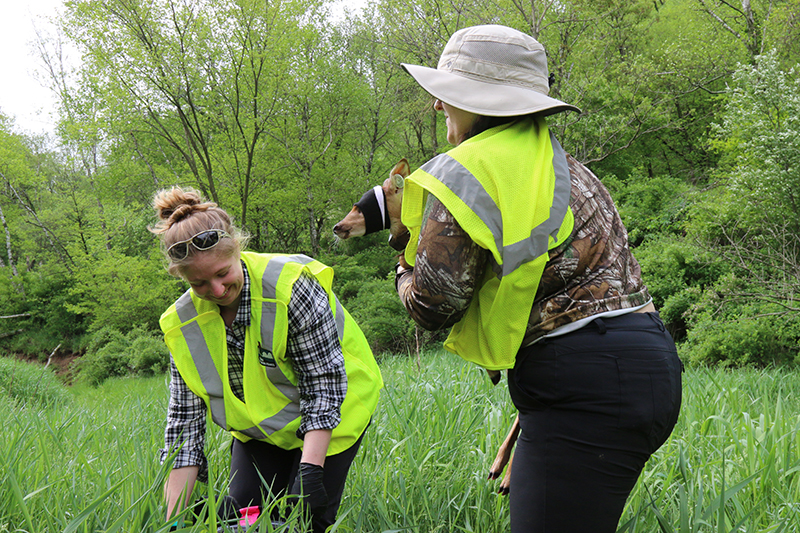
{"type": "Point", "coordinates": [312, 347]}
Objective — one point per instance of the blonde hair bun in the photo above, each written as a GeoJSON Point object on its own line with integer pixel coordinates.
{"type": "Point", "coordinates": [175, 204]}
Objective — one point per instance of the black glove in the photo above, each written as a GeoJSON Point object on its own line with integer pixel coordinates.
{"type": "Point", "coordinates": [308, 483]}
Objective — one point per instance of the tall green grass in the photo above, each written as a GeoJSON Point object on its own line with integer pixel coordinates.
{"type": "Point", "coordinates": [733, 460]}
{"type": "Point", "coordinates": [89, 463]}
{"type": "Point", "coordinates": [23, 383]}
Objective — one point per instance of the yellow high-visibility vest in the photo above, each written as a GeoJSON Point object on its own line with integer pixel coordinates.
{"type": "Point", "coordinates": [195, 334]}
{"type": "Point", "coordinates": [509, 189]}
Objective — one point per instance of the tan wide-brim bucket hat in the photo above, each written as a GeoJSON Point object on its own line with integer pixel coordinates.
{"type": "Point", "coordinates": [491, 70]}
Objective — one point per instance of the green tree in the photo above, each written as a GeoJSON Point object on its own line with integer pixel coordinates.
{"type": "Point", "coordinates": [749, 23]}
{"type": "Point", "coordinates": [196, 83]}
{"type": "Point", "coordinates": [754, 216]}
{"type": "Point", "coordinates": [115, 290]}
{"type": "Point", "coordinates": [751, 222]}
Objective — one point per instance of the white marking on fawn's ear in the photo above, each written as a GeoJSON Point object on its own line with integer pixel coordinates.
{"type": "Point", "coordinates": [398, 181]}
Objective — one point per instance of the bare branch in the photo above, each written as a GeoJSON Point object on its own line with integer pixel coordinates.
{"type": "Point", "coordinates": [721, 21]}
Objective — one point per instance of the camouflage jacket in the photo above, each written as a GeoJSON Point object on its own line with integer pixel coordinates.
{"type": "Point", "coordinates": [591, 272]}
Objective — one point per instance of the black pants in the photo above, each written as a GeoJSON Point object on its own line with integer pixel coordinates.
{"type": "Point", "coordinates": [594, 404]}
{"type": "Point", "coordinates": [253, 460]}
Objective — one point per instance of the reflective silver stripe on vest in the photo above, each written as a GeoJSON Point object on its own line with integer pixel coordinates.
{"type": "Point", "coordinates": [521, 252]}
{"type": "Point", "coordinates": [270, 281]}
{"type": "Point", "coordinates": [185, 307]}
{"type": "Point", "coordinates": [209, 376]}
{"type": "Point", "coordinates": [469, 190]}
{"type": "Point", "coordinates": [467, 187]}
{"type": "Point", "coordinates": [339, 319]}
{"type": "Point", "coordinates": [274, 423]}
{"type": "Point", "coordinates": [273, 272]}
{"type": "Point", "coordinates": [275, 374]}
{"type": "Point", "coordinates": [196, 342]}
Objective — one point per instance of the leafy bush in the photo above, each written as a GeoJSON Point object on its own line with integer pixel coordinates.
{"type": "Point", "coordinates": [63, 307]}
{"type": "Point", "coordinates": [364, 283]}
{"type": "Point", "coordinates": [103, 337]}
{"type": "Point", "coordinates": [27, 383]}
{"type": "Point", "coordinates": [149, 355]}
{"type": "Point", "coordinates": [43, 294]}
{"type": "Point", "coordinates": [383, 319]}
{"type": "Point", "coordinates": [676, 273]}
{"type": "Point", "coordinates": [731, 329]}
{"type": "Point", "coordinates": [112, 353]}
{"type": "Point", "coordinates": [746, 342]}
{"type": "Point", "coordinates": [365, 263]}
{"type": "Point", "coordinates": [649, 206]}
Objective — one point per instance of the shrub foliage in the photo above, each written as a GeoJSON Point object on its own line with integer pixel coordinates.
{"type": "Point", "coordinates": [113, 353]}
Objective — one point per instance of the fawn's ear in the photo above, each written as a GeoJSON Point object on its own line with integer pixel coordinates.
{"type": "Point", "coordinates": [397, 176]}
{"type": "Point", "coordinates": [401, 168]}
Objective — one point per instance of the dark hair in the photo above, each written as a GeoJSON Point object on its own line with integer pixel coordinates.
{"type": "Point", "coordinates": [483, 123]}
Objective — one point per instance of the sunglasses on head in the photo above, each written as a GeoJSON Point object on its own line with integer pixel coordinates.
{"type": "Point", "coordinates": [202, 241]}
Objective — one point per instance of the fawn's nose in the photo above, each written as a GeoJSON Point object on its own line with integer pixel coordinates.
{"type": "Point", "coordinates": [339, 231]}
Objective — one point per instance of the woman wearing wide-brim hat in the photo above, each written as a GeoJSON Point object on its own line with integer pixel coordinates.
{"type": "Point", "coordinates": [520, 249]}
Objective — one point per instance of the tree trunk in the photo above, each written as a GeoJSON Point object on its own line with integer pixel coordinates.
{"type": "Point", "coordinates": [8, 245]}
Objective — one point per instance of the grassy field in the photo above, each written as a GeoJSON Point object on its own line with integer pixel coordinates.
{"type": "Point", "coordinates": [86, 459]}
